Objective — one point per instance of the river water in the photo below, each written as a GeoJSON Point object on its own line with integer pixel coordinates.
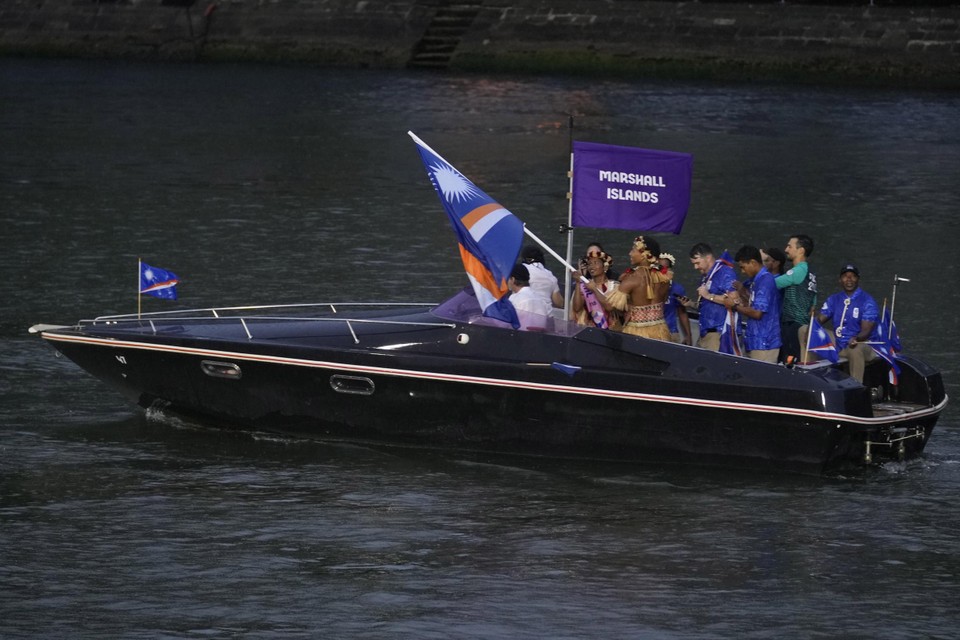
{"type": "Point", "coordinates": [261, 184]}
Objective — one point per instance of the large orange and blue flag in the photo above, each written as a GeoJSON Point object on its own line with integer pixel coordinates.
{"type": "Point", "coordinates": [489, 235]}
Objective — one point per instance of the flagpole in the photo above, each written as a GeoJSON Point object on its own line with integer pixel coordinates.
{"type": "Point", "coordinates": [556, 255]}
{"type": "Point", "coordinates": [567, 293]}
{"type": "Point", "coordinates": [139, 296]}
{"type": "Point", "coordinates": [896, 281]}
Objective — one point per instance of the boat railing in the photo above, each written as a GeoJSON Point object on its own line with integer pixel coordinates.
{"type": "Point", "coordinates": [157, 320]}
{"type": "Point", "coordinates": [215, 312]}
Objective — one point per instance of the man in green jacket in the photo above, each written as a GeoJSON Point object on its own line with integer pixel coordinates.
{"type": "Point", "coordinates": [799, 288]}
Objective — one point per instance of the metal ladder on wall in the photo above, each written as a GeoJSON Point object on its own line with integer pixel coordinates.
{"type": "Point", "coordinates": [442, 36]}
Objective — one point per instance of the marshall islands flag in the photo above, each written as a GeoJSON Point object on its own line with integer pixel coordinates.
{"type": "Point", "coordinates": [818, 341]}
{"type": "Point", "coordinates": [157, 282]}
{"type": "Point", "coordinates": [488, 234]}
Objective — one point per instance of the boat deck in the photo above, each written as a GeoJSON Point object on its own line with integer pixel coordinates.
{"type": "Point", "coordinates": [890, 409]}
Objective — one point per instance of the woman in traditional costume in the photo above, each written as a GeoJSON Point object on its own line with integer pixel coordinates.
{"type": "Point", "coordinates": [643, 290]}
{"type": "Point", "coordinates": [589, 305]}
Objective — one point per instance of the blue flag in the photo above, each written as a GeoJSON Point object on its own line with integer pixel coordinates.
{"type": "Point", "coordinates": [819, 342]}
{"type": "Point", "coordinates": [489, 236]}
{"type": "Point", "coordinates": [884, 351]}
{"type": "Point", "coordinates": [887, 329]}
{"type": "Point", "coordinates": [158, 282]}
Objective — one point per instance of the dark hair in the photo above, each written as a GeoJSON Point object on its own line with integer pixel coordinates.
{"type": "Point", "coordinates": [530, 254]}
{"type": "Point", "coordinates": [778, 255]}
{"type": "Point", "coordinates": [746, 253]}
{"type": "Point", "coordinates": [805, 242]}
{"type": "Point", "coordinates": [701, 249]}
{"type": "Point", "coordinates": [653, 247]}
{"type": "Point", "coordinates": [520, 274]}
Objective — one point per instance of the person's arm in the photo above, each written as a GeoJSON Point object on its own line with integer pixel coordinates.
{"type": "Point", "coordinates": [557, 299]}
{"type": "Point", "coordinates": [576, 301]}
{"type": "Point", "coordinates": [684, 321]}
{"type": "Point", "coordinates": [866, 329]}
{"type": "Point", "coordinates": [764, 292]}
{"type": "Point", "coordinates": [793, 276]}
{"type": "Point", "coordinates": [744, 308]}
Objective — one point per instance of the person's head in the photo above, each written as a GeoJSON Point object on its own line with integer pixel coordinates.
{"type": "Point", "coordinates": [594, 246]}
{"type": "Point", "coordinates": [531, 254]}
{"type": "Point", "coordinates": [645, 252]}
{"type": "Point", "coordinates": [597, 262]}
{"type": "Point", "coordinates": [701, 257]}
{"type": "Point", "coordinates": [749, 259]}
{"type": "Point", "coordinates": [799, 247]}
{"type": "Point", "coordinates": [773, 260]}
{"type": "Point", "coordinates": [519, 277]}
{"type": "Point", "coordinates": [667, 261]}
{"type": "Point", "coordinates": [849, 277]}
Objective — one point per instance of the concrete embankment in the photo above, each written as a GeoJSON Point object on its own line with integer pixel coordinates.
{"type": "Point", "coordinates": [860, 44]}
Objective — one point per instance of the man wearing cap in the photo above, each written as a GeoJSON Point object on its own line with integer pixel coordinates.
{"type": "Point", "coordinates": [854, 315]}
{"type": "Point", "coordinates": [532, 309]}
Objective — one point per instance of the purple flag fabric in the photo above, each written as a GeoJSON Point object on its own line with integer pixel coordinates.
{"type": "Point", "coordinates": [629, 188]}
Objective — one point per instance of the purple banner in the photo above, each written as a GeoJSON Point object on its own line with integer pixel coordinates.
{"type": "Point", "coordinates": [629, 188]}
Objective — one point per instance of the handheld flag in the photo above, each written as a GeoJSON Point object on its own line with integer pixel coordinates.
{"type": "Point", "coordinates": [819, 341]}
{"type": "Point", "coordinates": [488, 234]}
{"type": "Point", "coordinates": [889, 345]}
{"type": "Point", "coordinates": [617, 187]}
{"type": "Point", "coordinates": [883, 350]}
{"type": "Point", "coordinates": [157, 282]}
{"type": "Point", "coordinates": [729, 340]}
{"type": "Point", "coordinates": [888, 332]}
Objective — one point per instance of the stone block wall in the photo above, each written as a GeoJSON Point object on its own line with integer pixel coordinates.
{"type": "Point", "coordinates": [908, 42]}
{"type": "Point", "coordinates": [623, 36]}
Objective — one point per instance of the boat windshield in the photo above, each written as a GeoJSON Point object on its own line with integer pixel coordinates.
{"type": "Point", "coordinates": [463, 307]}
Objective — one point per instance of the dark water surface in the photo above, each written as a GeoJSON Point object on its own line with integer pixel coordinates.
{"type": "Point", "coordinates": [261, 184]}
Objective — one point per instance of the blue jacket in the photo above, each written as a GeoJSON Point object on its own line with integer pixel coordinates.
{"type": "Point", "coordinates": [845, 326]}
{"type": "Point", "coordinates": [764, 333]}
{"type": "Point", "coordinates": [719, 281]}
{"type": "Point", "coordinates": [670, 306]}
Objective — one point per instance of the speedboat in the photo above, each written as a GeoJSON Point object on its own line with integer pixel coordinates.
{"type": "Point", "coordinates": [446, 376]}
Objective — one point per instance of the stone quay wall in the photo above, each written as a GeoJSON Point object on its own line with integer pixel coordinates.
{"type": "Point", "coordinates": [892, 45]}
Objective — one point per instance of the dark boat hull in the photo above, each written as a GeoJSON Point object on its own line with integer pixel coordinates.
{"type": "Point", "coordinates": [628, 399]}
